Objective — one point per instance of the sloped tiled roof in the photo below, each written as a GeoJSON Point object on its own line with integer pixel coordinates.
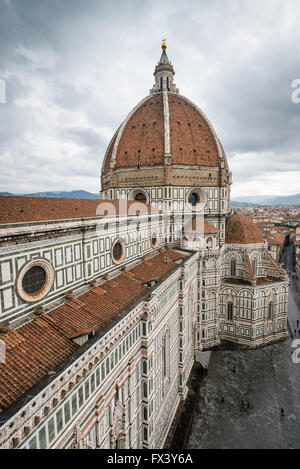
{"type": "Point", "coordinates": [31, 352]}
{"type": "Point", "coordinates": [96, 308]}
{"type": "Point", "coordinates": [275, 264]}
{"type": "Point", "coordinates": [272, 241]}
{"type": "Point", "coordinates": [41, 345]}
{"type": "Point", "coordinates": [18, 209]}
{"type": "Point", "coordinates": [156, 267]}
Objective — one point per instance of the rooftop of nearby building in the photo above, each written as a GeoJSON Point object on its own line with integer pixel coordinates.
{"type": "Point", "coordinates": [39, 346]}
{"type": "Point", "coordinates": [275, 239]}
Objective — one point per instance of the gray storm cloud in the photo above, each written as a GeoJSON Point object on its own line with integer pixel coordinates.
{"type": "Point", "coordinates": [74, 69]}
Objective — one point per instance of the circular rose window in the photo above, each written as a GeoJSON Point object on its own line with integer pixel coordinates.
{"type": "Point", "coordinates": [35, 280]}
{"type": "Point", "coordinates": [118, 251]}
{"type": "Point", "coordinates": [196, 199]}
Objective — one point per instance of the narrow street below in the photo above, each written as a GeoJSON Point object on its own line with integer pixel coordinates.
{"type": "Point", "coordinates": [267, 378]}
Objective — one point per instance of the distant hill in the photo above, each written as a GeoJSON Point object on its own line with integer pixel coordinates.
{"type": "Point", "coordinates": [267, 200]}
{"type": "Point", "coordinates": [59, 194]}
{"type": "Point", "coordinates": [235, 203]}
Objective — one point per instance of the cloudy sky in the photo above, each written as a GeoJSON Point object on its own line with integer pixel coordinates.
{"type": "Point", "coordinates": [73, 70]}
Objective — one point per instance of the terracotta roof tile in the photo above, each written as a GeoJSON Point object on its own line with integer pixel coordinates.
{"type": "Point", "coordinates": [192, 141]}
{"type": "Point", "coordinates": [31, 352]}
{"type": "Point", "coordinates": [272, 242]}
{"type": "Point", "coordinates": [18, 209]}
{"type": "Point", "coordinates": [98, 307]}
{"type": "Point", "coordinates": [42, 344]}
{"type": "Point", "coordinates": [241, 230]}
{"type": "Point", "coordinates": [275, 264]}
{"type": "Point", "coordinates": [143, 132]}
{"type": "Point", "coordinates": [157, 267]}
{"type": "Point", "coordinates": [143, 137]}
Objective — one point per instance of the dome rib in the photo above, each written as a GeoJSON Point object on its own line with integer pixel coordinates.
{"type": "Point", "coordinates": [200, 145]}
{"type": "Point", "coordinates": [130, 136]}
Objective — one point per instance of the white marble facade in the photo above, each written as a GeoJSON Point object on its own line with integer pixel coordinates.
{"type": "Point", "coordinates": [124, 389]}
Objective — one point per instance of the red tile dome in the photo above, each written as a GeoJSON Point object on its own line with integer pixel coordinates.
{"type": "Point", "coordinates": [241, 230]}
{"type": "Point", "coordinates": [141, 139]}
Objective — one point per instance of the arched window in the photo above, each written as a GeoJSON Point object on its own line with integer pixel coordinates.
{"type": "Point", "coordinates": [168, 87]}
{"type": "Point", "coordinates": [209, 243]}
{"type": "Point", "coordinates": [270, 311]}
{"type": "Point", "coordinates": [233, 268]}
{"type": "Point", "coordinates": [161, 83]}
{"type": "Point", "coordinates": [229, 311]}
{"type": "Point", "coordinates": [120, 442]}
{"type": "Point", "coordinates": [165, 355]}
{"type": "Point", "coordinates": [117, 394]}
{"type": "Point", "coordinates": [254, 267]}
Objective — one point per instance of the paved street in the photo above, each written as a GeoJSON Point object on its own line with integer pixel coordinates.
{"type": "Point", "coordinates": [267, 378]}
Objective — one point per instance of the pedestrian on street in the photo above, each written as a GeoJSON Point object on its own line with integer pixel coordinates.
{"type": "Point", "coordinates": [297, 322]}
{"type": "Point", "coordinates": [222, 399]}
{"type": "Point", "coordinates": [282, 412]}
{"type": "Point", "coordinates": [248, 405]}
{"type": "Point", "coordinates": [234, 369]}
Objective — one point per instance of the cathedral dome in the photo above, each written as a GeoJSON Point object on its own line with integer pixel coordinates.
{"type": "Point", "coordinates": [142, 139]}
{"type": "Point", "coordinates": [241, 230]}
{"type": "Point", "coordinates": [165, 129]}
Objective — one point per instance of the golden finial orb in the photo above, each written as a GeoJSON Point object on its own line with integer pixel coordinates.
{"type": "Point", "coordinates": [164, 45]}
